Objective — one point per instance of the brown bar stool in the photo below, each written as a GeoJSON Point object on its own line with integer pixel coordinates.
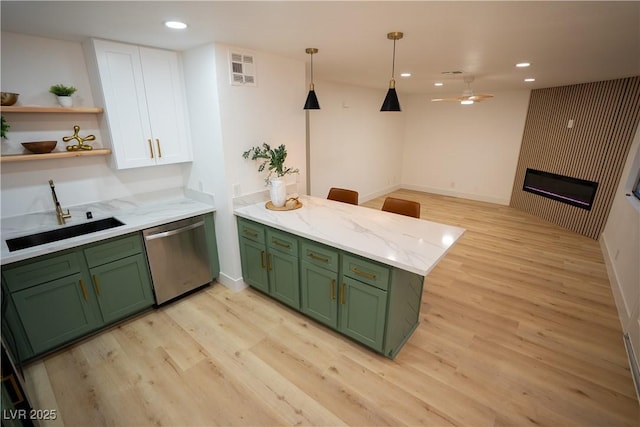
{"type": "Point", "coordinates": [401, 206]}
{"type": "Point", "coordinates": [343, 195]}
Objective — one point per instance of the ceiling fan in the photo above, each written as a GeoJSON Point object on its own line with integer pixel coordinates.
{"type": "Point", "coordinates": [468, 97]}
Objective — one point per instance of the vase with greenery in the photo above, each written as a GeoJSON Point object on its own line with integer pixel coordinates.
{"type": "Point", "coordinates": [63, 93]}
{"type": "Point", "coordinates": [272, 159]}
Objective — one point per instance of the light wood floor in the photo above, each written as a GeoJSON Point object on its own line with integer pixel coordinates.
{"type": "Point", "coordinates": [518, 327]}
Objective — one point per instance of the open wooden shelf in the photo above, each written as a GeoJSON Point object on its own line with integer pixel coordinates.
{"type": "Point", "coordinates": [39, 109]}
{"type": "Point", "coordinates": [54, 155]}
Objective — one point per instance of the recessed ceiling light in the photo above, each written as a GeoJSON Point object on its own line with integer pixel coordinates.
{"type": "Point", "coordinates": [529, 79]}
{"type": "Point", "coordinates": [522, 64]}
{"type": "Point", "coordinates": [438, 84]}
{"type": "Point", "coordinates": [176, 25]}
{"type": "Point", "coordinates": [405, 74]}
{"type": "Point", "coordinates": [467, 102]}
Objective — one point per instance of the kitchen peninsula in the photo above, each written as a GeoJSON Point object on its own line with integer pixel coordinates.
{"type": "Point", "coordinates": [358, 270]}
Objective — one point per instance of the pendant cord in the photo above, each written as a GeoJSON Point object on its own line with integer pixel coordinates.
{"type": "Point", "coordinates": [393, 63]}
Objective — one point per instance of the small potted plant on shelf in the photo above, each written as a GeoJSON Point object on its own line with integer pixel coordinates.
{"type": "Point", "coordinates": [4, 128]}
{"type": "Point", "coordinates": [273, 158]}
{"type": "Point", "coordinates": [63, 93]}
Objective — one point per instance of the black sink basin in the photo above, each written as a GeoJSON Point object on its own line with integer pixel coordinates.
{"type": "Point", "coordinates": [61, 233]}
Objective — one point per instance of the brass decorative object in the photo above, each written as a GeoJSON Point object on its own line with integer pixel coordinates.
{"type": "Point", "coordinates": [80, 145]}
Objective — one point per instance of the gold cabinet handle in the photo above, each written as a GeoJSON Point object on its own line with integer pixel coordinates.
{"type": "Point", "coordinates": [84, 290]}
{"type": "Point", "coordinates": [249, 232]}
{"type": "Point", "coordinates": [262, 259]}
{"type": "Point", "coordinates": [279, 243]}
{"type": "Point", "coordinates": [96, 284]}
{"type": "Point", "coordinates": [150, 148]}
{"type": "Point", "coordinates": [342, 293]}
{"type": "Point", "coordinates": [159, 150]}
{"type": "Point", "coordinates": [364, 274]}
{"type": "Point", "coordinates": [317, 258]}
{"type": "Point", "coordinates": [268, 261]}
{"type": "Point", "coordinates": [333, 289]}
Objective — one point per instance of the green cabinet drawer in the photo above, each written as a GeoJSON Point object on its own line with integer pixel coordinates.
{"type": "Point", "coordinates": [42, 269]}
{"type": "Point", "coordinates": [320, 255]}
{"type": "Point", "coordinates": [113, 249]}
{"type": "Point", "coordinates": [282, 242]}
{"type": "Point", "coordinates": [251, 230]}
{"type": "Point", "coordinates": [366, 271]}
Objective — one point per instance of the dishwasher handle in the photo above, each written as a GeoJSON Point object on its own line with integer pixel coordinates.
{"type": "Point", "coordinates": [174, 232]}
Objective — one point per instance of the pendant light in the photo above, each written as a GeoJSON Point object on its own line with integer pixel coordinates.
{"type": "Point", "coordinates": [312, 99]}
{"type": "Point", "coordinates": [391, 102]}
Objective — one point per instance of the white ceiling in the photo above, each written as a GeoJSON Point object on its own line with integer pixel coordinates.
{"type": "Point", "coordinates": [566, 42]}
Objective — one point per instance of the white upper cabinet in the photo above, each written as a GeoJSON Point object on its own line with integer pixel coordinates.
{"type": "Point", "coordinates": [142, 93]}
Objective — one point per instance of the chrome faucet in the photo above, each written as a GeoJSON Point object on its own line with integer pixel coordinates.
{"type": "Point", "coordinates": [59, 212]}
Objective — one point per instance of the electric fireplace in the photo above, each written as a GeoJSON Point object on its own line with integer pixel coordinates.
{"type": "Point", "coordinates": [565, 189]}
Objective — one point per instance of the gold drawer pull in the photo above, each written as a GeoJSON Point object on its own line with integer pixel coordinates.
{"type": "Point", "coordinates": [333, 289]}
{"type": "Point", "coordinates": [150, 147]}
{"type": "Point", "coordinates": [159, 150]}
{"type": "Point", "coordinates": [364, 274]}
{"type": "Point", "coordinates": [262, 259]}
{"type": "Point", "coordinates": [84, 290]}
{"type": "Point", "coordinates": [318, 258]}
{"type": "Point", "coordinates": [342, 293]}
{"type": "Point", "coordinates": [249, 232]}
{"type": "Point", "coordinates": [97, 284]}
{"type": "Point", "coordinates": [279, 243]}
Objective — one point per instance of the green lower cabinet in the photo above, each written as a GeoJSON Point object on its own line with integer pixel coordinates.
{"type": "Point", "coordinates": [283, 278]}
{"type": "Point", "coordinates": [319, 289]}
{"type": "Point", "coordinates": [373, 303]}
{"type": "Point", "coordinates": [92, 287]}
{"type": "Point", "coordinates": [254, 267]}
{"type": "Point", "coordinates": [363, 310]}
{"type": "Point", "coordinates": [55, 312]}
{"type": "Point", "coordinates": [122, 287]}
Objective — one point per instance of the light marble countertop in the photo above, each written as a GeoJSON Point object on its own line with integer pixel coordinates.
{"type": "Point", "coordinates": [137, 213]}
{"type": "Point", "coordinates": [411, 244]}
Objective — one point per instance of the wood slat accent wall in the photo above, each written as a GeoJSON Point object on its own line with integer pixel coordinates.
{"type": "Point", "coordinates": [606, 116]}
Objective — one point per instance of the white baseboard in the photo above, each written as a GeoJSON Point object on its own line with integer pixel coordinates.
{"type": "Point", "coordinates": [458, 194]}
{"type": "Point", "coordinates": [375, 194]}
{"type": "Point", "coordinates": [623, 313]}
{"type": "Point", "coordinates": [235, 285]}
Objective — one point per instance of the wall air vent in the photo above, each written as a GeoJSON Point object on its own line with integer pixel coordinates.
{"type": "Point", "coordinates": [243, 69]}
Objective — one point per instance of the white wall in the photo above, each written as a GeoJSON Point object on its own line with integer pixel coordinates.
{"type": "Point", "coordinates": [227, 120]}
{"type": "Point", "coordinates": [352, 144]}
{"type": "Point", "coordinates": [468, 151]}
{"type": "Point", "coordinates": [620, 242]}
{"type": "Point", "coordinates": [29, 66]}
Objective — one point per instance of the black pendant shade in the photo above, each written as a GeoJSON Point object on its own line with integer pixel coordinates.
{"type": "Point", "coordinates": [312, 101]}
{"type": "Point", "coordinates": [391, 102]}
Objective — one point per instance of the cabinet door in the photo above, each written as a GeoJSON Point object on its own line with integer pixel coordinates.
{"type": "Point", "coordinates": [362, 312]}
{"type": "Point", "coordinates": [254, 268]}
{"type": "Point", "coordinates": [167, 106]}
{"type": "Point", "coordinates": [319, 292]}
{"type": "Point", "coordinates": [284, 279]}
{"type": "Point", "coordinates": [122, 287]}
{"type": "Point", "coordinates": [125, 103]}
{"type": "Point", "coordinates": [55, 312]}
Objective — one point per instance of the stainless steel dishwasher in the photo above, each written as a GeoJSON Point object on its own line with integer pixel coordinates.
{"type": "Point", "coordinates": [178, 257]}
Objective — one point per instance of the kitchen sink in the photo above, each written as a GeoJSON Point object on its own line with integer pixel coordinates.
{"type": "Point", "coordinates": [62, 233]}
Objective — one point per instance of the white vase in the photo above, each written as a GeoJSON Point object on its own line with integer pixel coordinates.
{"type": "Point", "coordinates": [278, 192]}
{"type": "Point", "coordinates": [65, 101]}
